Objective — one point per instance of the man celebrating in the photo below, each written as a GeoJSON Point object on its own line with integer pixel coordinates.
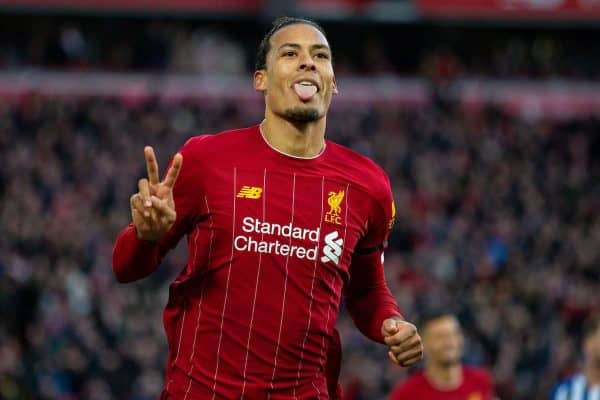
{"type": "Point", "coordinates": [280, 223]}
{"type": "Point", "coordinates": [586, 384]}
{"type": "Point", "coordinates": [444, 376]}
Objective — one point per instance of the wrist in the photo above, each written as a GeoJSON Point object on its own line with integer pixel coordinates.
{"type": "Point", "coordinates": [144, 238]}
{"type": "Point", "coordinates": [396, 317]}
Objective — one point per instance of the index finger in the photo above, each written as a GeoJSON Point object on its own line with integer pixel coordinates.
{"type": "Point", "coordinates": [151, 164]}
{"type": "Point", "coordinates": [173, 171]}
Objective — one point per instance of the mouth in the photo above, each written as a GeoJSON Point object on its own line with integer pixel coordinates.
{"type": "Point", "coordinates": [306, 89]}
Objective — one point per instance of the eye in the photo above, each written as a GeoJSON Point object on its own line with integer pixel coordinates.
{"type": "Point", "coordinates": [323, 55]}
{"type": "Point", "coordinates": [289, 53]}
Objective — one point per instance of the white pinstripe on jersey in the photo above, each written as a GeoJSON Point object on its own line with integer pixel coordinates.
{"type": "Point", "coordinates": [312, 285]}
{"type": "Point", "coordinates": [576, 388]}
{"type": "Point", "coordinates": [212, 232]}
{"type": "Point", "coordinates": [262, 237]}
{"type": "Point", "coordinates": [561, 393]}
{"type": "Point", "coordinates": [347, 206]}
{"type": "Point", "coordinates": [193, 262]}
{"type": "Point", "coordinates": [287, 259]}
{"type": "Point", "coordinates": [227, 283]}
{"type": "Point", "coordinates": [187, 392]}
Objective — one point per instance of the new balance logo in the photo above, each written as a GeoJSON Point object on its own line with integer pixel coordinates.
{"type": "Point", "coordinates": [250, 192]}
{"type": "Point", "coordinates": [333, 248]}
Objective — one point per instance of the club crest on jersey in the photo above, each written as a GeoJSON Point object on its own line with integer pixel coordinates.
{"type": "Point", "coordinates": [474, 396]}
{"type": "Point", "coordinates": [335, 210]}
{"type": "Point", "coordinates": [250, 192]}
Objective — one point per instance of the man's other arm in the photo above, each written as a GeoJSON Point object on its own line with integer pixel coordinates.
{"type": "Point", "coordinates": [368, 298]}
{"type": "Point", "coordinates": [367, 295]}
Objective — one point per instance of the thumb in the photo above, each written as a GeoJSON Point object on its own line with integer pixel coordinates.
{"type": "Point", "coordinates": [389, 327]}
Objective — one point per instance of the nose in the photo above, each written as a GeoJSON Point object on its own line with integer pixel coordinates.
{"type": "Point", "coordinates": [307, 63]}
{"type": "Point", "coordinates": [308, 66]}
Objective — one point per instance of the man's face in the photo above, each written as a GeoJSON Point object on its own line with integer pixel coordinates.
{"type": "Point", "coordinates": [443, 341]}
{"type": "Point", "coordinates": [591, 348]}
{"type": "Point", "coordinates": [298, 81]}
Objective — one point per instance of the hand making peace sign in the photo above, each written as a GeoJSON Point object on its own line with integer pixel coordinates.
{"type": "Point", "coordinates": [152, 207]}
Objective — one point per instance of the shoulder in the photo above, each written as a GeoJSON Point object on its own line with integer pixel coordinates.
{"type": "Point", "coordinates": [477, 374]}
{"type": "Point", "coordinates": [356, 164]}
{"type": "Point", "coordinates": [563, 387]}
{"type": "Point", "coordinates": [362, 171]}
{"type": "Point", "coordinates": [208, 144]}
{"type": "Point", "coordinates": [560, 390]}
{"type": "Point", "coordinates": [409, 387]}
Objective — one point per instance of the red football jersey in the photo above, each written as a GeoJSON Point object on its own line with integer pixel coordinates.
{"type": "Point", "coordinates": [476, 385]}
{"type": "Point", "coordinates": [274, 241]}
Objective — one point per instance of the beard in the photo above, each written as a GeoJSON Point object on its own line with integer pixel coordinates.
{"type": "Point", "coordinates": [450, 362]}
{"type": "Point", "coordinates": [302, 115]}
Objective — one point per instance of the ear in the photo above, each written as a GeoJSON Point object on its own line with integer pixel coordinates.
{"type": "Point", "coordinates": [334, 84]}
{"type": "Point", "coordinates": [260, 80]}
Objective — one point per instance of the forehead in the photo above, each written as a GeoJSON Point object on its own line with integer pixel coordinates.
{"type": "Point", "coordinates": [442, 324]}
{"type": "Point", "coordinates": [302, 34]}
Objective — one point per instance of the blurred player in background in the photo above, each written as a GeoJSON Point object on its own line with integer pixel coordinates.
{"type": "Point", "coordinates": [586, 384]}
{"type": "Point", "coordinates": [280, 223]}
{"type": "Point", "coordinates": [444, 376]}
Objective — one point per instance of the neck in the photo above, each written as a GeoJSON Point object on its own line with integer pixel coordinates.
{"type": "Point", "coordinates": [591, 371]}
{"type": "Point", "coordinates": [299, 140]}
{"type": "Point", "coordinates": [444, 376]}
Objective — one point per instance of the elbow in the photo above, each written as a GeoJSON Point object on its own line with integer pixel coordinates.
{"type": "Point", "coordinates": [120, 275]}
{"type": "Point", "coordinates": [122, 270]}
{"type": "Point", "coordinates": [126, 272]}
{"type": "Point", "coordinates": [133, 260]}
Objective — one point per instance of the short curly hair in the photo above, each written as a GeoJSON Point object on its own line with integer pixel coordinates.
{"type": "Point", "coordinates": [281, 22]}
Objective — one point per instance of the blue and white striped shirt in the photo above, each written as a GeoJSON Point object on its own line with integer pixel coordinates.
{"type": "Point", "coordinates": [575, 388]}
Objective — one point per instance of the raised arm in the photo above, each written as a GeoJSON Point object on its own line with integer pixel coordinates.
{"type": "Point", "coordinates": [152, 207]}
{"type": "Point", "coordinates": [157, 224]}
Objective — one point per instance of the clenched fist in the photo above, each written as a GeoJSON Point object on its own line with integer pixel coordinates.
{"type": "Point", "coordinates": [403, 340]}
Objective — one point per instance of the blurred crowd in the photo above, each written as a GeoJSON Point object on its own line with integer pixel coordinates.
{"type": "Point", "coordinates": [497, 219]}
{"type": "Point", "coordinates": [197, 48]}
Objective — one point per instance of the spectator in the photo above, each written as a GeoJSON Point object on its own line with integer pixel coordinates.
{"type": "Point", "coordinates": [585, 384]}
{"type": "Point", "coordinates": [444, 376]}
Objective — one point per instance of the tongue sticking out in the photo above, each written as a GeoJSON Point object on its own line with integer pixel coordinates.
{"type": "Point", "coordinates": [305, 92]}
